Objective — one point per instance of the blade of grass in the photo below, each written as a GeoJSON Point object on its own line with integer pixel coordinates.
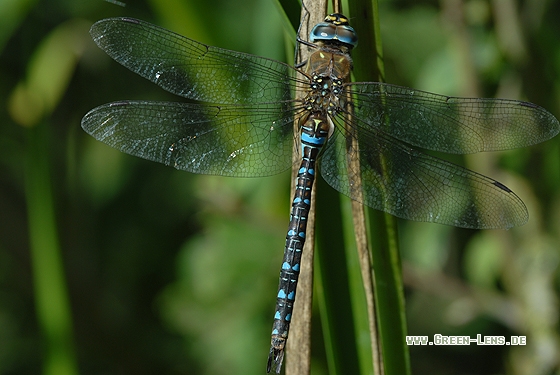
{"type": "Point", "coordinates": [51, 296]}
{"type": "Point", "coordinates": [333, 270]}
{"type": "Point", "coordinates": [385, 268]}
{"type": "Point", "coordinates": [49, 73]}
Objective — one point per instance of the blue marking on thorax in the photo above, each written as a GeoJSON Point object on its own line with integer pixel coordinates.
{"type": "Point", "coordinates": [291, 296]}
{"type": "Point", "coordinates": [277, 315]}
{"type": "Point", "coordinates": [296, 267]}
{"type": "Point", "coordinates": [286, 266]}
{"type": "Point", "coordinates": [281, 293]}
{"type": "Point", "coordinates": [288, 317]}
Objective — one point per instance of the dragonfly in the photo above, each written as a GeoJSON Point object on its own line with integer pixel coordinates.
{"type": "Point", "coordinates": [363, 137]}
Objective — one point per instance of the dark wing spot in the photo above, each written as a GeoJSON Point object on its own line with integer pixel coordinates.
{"type": "Point", "coordinates": [502, 186]}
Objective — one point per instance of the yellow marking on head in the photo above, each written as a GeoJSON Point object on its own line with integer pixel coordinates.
{"type": "Point", "coordinates": [337, 19]}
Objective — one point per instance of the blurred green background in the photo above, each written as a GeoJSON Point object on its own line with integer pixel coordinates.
{"type": "Point", "coordinates": [175, 273]}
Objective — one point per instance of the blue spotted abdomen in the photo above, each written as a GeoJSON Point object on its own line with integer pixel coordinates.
{"type": "Point", "coordinates": [314, 133]}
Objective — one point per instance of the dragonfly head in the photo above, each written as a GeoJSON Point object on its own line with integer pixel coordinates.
{"type": "Point", "coordinates": [334, 29]}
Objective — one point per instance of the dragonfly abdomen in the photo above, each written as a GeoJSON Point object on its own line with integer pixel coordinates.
{"type": "Point", "coordinates": [314, 133]}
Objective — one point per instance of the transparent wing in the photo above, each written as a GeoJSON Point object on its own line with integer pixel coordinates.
{"type": "Point", "coordinates": [191, 69]}
{"type": "Point", "coordinates": [409, 184]}
{"type": "Point", "coordinates": [449, 124]}
{"type": "Point", "coordinates": [242, 141]}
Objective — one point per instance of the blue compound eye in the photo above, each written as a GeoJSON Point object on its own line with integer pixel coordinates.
{"type": "Point", "coordinates": [335, 28]}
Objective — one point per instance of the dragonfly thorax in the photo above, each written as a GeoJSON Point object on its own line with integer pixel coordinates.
{"type": "Point", "coordinates": [328, 72]}
{"type": "Point", "coordinates": [324, 95]}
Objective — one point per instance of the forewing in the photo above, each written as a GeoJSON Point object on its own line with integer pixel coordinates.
{"type": "Point", "coordinates": [191, 69]}
{"type": "Point", "coordinates": [450, 124]}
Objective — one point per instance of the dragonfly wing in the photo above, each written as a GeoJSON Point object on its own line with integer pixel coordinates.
{"type": "Point", "coordinates": [412, 185]}
{"type": "Point", "coordinates": [191, 69]}
{"type": "Point", "coordinates": [236, 141]}
{"type": "Point", "coordinates": [450, 124]}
